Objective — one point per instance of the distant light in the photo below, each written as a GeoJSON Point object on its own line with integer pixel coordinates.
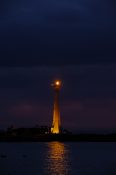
{"type": "Point", "coordinates": [57, 83]}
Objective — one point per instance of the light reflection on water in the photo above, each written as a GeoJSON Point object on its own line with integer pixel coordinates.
{"type": "Point", "coordinates": [57, 160]}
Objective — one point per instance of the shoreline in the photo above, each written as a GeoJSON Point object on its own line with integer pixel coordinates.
{"type": "Point", "coordinates": [61, 137]}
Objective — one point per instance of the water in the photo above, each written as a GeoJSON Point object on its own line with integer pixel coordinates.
{"type": "Point", "coordinates": [56, 158]}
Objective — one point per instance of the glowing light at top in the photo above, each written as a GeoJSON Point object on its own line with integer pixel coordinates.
{"type": "Point", "coordinates": [57, 84]}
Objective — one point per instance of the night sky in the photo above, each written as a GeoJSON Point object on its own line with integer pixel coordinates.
{"type": "Point", "coordinates": [75, 41]}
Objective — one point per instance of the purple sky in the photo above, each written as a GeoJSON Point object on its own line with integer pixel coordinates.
{"type": "Point", "coordinates": [87, 99]}
{"type": "Point", "coordinates": [67, 39]}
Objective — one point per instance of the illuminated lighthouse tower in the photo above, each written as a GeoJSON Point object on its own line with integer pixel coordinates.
{"type": "Point", "coordinates": [56, 124]}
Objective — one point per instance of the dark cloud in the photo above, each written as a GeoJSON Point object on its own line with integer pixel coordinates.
{"type": "Point", "coordinates": [72, 40]}
{"type": "Point", "coordinates": [57, 32]}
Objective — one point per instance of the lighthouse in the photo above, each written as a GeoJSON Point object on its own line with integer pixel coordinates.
{"type": "Point", "coordinates": [56, 123]}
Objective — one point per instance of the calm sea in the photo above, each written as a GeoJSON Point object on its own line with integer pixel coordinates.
{"type": "Point", "coordinates": [56, 158]}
